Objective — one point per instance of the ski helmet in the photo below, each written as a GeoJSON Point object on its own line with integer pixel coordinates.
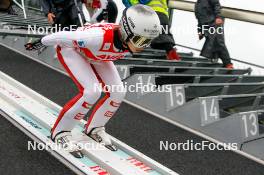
{"type": "Point", "coordinates": [140, 25]}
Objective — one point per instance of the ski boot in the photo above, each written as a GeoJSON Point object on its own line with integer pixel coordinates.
{"type": "Point", "coordinates": [63, 139]}
{"type": "Point", "coordinates": [100, 136]}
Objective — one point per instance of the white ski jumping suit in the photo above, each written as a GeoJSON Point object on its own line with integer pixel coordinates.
{"type": "Point", "coordinates": [87, 55]}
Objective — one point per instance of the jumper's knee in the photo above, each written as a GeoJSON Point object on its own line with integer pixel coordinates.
{"type": "Point", "coordinates": [91, 96]}
{"type": "Point", "coordinates": [118, 94]}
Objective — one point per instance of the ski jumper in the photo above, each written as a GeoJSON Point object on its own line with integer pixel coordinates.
{"type": "Point", "coordinates": [87, 55]}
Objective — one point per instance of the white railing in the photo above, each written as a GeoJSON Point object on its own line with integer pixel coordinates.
{"type": "Point", "coordinates": [231, 13]}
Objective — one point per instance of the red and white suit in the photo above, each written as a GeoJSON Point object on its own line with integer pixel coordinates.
{"type": "Point", "coordinates": [87, 56]}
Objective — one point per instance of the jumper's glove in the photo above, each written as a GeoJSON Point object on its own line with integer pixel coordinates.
{"type": "Point", "coordinates": [34, 45]}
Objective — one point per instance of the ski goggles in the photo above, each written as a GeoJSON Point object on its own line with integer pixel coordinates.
{"type": "Point", "coordinates": [140, 41]}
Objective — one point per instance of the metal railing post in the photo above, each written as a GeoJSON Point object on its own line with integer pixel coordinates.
{"type": "Point", "coordinates": [24, 9]}
{"type": "Point", "coordinates": [22, 6]}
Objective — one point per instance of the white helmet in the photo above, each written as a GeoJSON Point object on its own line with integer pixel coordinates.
{"type": "Point", "coordinates": [140, 25]}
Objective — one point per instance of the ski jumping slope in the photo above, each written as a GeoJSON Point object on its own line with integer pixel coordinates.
{"type": "Point", "coordinates": [35, 115]}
